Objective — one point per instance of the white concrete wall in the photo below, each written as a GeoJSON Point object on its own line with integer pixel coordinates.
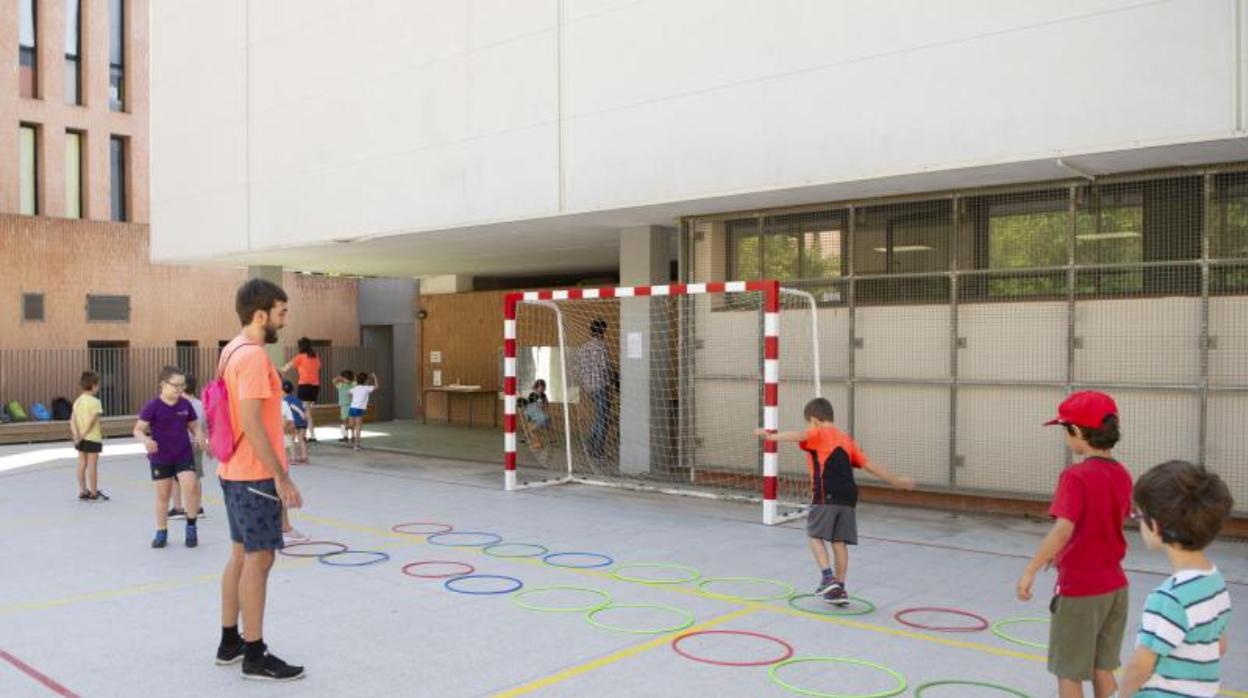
{"type": "Point", "coordinates": [284, 123]}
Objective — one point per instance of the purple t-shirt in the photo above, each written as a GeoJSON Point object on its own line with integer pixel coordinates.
{"type": "Point", "coordinates": [169, 430]}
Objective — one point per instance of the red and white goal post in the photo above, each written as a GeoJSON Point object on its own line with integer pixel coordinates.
{"type": "Point", "coordinates": [660, 388]}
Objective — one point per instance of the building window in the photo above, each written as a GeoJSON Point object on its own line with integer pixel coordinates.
{"type": "Point", "coordinates": [117, 179]}
{"type": "Point", "coordinates": [116, 55]}
{"type": "Point", "coordinates": [32, 307]}
{"type": "Point", "coordinates": [73, 174]}
{"type": "Point", "coordinates": [1013, 233]}
{"type": "Point", "coordinates": [804, 246]}
{"type": "Point", "coordinates": [27, 58]}
{"type": "Point", "coordinates": [108, 308]}
{"type": "Point", "coordinates": [73, 47]}
{"type": "Point", "coordinates": [29, 163]}
{"type": "Point", "coordinates": [900, 239]}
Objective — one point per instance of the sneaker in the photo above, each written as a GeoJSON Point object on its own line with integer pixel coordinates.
{"type": "Point", "coordinates": [837, 596]}
{"type": "Point", "coordinates": [231, 653]}
{"type": "Point", "coordinates": [177, 513]}
{"type": "Point", "coordinates": [162, 538]}
{"type": "Point", "coordinates": [99, 496]}
{"type": "Point", "coordinates": [343, 439]}
{"type": "Point", "coordinates": [271, 669]}
{"type": "Point", "coordinates": [826, 585]}
{"type": "Point", "coordinates": [84, 496]}
{"type": "Point", "coordinates": [192, 536]}
{"type": "Point", "coordinates": [294, 535]}
{"type": "Point", "coordinates": [311, 439]}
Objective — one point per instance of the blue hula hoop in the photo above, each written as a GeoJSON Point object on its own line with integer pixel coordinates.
{"type": "Point", "coordinates": [380, 557]}
{"type": "Point", "coordinates": [433, 539]}
{"type": "Point", "coordinates": [607, 560]}
{"type": "Point", "coordinates": [449, 584]}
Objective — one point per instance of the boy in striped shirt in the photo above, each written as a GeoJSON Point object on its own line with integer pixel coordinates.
{"type": "Point", "coordinates": [1182, 637]}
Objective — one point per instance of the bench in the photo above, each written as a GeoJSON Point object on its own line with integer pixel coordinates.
{"type": "Point", "coordinates": [36, 432]}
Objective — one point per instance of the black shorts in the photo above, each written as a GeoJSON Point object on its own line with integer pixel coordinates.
{"type": "Point", "coordinates": [164, 471]}
{"type": "Point", "coordinates": [308, 393]}
{"type": "Point", "coordinates": [255, 519]}
{"type": "Point", "coordinates": [85, 446]}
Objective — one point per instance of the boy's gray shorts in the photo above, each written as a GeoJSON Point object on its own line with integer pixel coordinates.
{"type": "Point", "coordinates": [833, 522]}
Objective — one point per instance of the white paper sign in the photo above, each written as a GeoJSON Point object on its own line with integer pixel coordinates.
{"type": "Point", "coordinates": [634, 345]}
{"type": "Point", "coordinates": [435, 357]}
{"type": "Point", "coordinates": [437, 379]}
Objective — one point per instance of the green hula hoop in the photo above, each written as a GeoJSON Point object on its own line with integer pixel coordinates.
{"type": "Point", "coordinates": [996, 630]}
{"type": "Point", "coordinates": [693, 573]}
{"type": "Point", "coordinates": [788, 588]}
{"type": "Point", "coordinates": [688, 618]}
{"type": "Point", "coordinates": [867, 606]}
{"type": "Point", "coordinates": [516, 599]}
{"type": "Point", "coordinates": [918, 691]}
{"type": "Point", "coordinates": [775, 670]}
{"type": "Point", "coordinates": [542, 550]}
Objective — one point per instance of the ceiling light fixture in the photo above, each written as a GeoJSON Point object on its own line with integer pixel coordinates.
{"type": "Point", "coordinates": [1120, 235]}
{"type": "Point", "coordinates": [904, 248]}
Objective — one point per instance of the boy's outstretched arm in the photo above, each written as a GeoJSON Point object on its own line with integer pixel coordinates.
{"type": "Point", "coordinates": [1137, 671]}
{"type": "Point", "coordinates": [1052, 544]}
{"type": "Point", "coordinates": [898, 481]}
{"type": "Point", "coordinates": [793, 436]}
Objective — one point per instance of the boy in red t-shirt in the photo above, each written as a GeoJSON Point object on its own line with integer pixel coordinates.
{"type": "Point", "coordinates": [1092, 501]}
{"type": "Point", "coordinates": [831, 457]}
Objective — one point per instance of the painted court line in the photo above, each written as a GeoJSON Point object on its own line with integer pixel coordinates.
{"type": "Point", "coordinates": [37, 675]}
{"type": "Point", "coordinates": [579, 669]}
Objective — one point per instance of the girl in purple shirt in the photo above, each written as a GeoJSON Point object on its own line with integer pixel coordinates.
{"type": "Point", "coordinates": [165, 428]}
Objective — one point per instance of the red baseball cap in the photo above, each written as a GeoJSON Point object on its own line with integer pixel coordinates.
{"type": "Point", "coordinates": [1086, 408]}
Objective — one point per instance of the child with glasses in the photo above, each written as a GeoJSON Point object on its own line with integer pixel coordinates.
{"type": "Point", "coordinates": [165, 427]}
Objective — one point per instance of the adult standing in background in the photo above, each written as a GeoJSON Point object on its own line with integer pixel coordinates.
{"type": "Point", "coordinates": [308, 388]}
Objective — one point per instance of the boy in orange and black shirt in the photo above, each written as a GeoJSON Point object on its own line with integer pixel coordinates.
{"type": "Point", "coordinates": [831, 457]}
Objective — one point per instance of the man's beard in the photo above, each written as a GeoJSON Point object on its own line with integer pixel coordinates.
{"type": "Point", "coordinates": [270, 334]}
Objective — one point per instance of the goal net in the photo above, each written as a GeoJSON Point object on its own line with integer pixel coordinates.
{"type": "Point", "coordinates": [661, 388]}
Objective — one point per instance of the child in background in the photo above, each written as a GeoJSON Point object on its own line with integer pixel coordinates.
{"type": "Point", "coordinates": [536, 411]}
{"type": "Point", "coordinates": [1183, 631]}
{"type": "Point", "coordinates": [175, 496]}
{"type": "Point", "coordinates": [831, 457]}
{"type": "Point", "coordinates": [343, 383]}
{"type": "Point", "coordinates": [299, 421]}
{"type": "Point", "coordinates": [84, 428]}
{"type": "Point", "coordinates": [366, 383]}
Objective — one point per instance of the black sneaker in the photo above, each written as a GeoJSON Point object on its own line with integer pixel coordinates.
{"type": "Point", "coordinates": [84, 496]}
{"type": "Point", "coordinates": [176, 513]}
{"type": "Point", "coordinates": [231, 653]}
{"type": "Point", "coordinates": [99, 496]}
{"type": "Point", "coordinates": [343, 439]}
{"type": "Point", "coordinates": [837, 596]}
{"type": "Point", "coordinates": [271, 669]}
{"type": "Point", "coordinates": [825, 586]}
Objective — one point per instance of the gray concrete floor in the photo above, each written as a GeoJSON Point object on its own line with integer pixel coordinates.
{"type": "Point", "coordinates": [85, 603]}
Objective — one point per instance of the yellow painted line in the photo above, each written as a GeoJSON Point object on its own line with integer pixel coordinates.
{"type": "Point", "coordinates": [134, 590]}
{"type": "Point", "coordinates": [1235, 694]}
{"type": "Point", "coordinates": [572, 672]}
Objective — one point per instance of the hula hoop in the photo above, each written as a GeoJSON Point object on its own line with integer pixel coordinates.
{"type": "Point", "coordinates": [341, 548]}
{"type": "Point", "coordinates": [774, 671]}
{"type": "Point", "coordinates": [982, 622]}
{"type": "Point", "coordinates": [541, 549]}
{"type": "Point", "coordinates": [788, 649]}
{"type": "Point", "coordinates": [774, 597]}
{"type": "Point", "coordinates": [410, 565]}
{"type": "Point", "coordinates": [433, 539]}
{"type": "Point", "coordinates": [379, 557]}
{"type": "Point", "coordinates": [400, 528]}
{"type": "Point", "coordinates": [918, 690]}
{"type": "Point", "coordinates": [607, 560]}
{"type": "Point", "coordinates": [693, 573]}
{"type": "Point", "coordinates": [455, 580]}
{"type": "Point", "coordinates": [516, 599]}
{"type": "Point", "coordinates": [688, 619]}
{"type": "Point", "coordinates": [867, 606]}
{"type": "Point", "coordinates": [996, 630]}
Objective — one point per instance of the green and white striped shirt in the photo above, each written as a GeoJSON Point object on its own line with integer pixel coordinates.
{"type": "Point", "coordinates": [1183, 621]}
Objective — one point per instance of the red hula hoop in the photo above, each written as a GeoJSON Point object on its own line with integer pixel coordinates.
{"type": "Point", "coordinates": [982, 622]}
{"type": "Point", "coordinates": [788, 649]}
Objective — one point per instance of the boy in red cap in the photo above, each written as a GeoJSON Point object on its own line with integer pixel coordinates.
{"type": "Point", "coordinates": [1092, 501]}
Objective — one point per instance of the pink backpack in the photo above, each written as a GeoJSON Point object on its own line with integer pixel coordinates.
{"type": "Point", "coordinates": [216, 397]}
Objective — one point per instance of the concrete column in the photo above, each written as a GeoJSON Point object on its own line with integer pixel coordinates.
{"type": "Point", "coordinates": [276, 352]}
{"type": "Point", "coordinates": [645, 259]}
{"type": "Point", "coordinates": [391, 303]}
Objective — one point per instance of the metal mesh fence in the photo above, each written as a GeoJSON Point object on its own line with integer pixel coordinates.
{"type": "Point", "coordinates": [128, 375]}
{"type": "Point", "coordinates": [951, 325]}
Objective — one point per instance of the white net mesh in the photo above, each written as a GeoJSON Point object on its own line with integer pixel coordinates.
{"type": "Point", "coordinates": [660, 392]}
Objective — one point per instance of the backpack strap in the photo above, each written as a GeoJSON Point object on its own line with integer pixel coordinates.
{"type": "Point", "coordinates": [225, 361]}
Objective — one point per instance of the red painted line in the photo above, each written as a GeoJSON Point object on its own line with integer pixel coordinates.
{"type": "Point", "coordinates": [37, 675]}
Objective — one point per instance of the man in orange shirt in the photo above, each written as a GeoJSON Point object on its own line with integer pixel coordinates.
{"type": "Point", "coordinates": [254, 480]}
